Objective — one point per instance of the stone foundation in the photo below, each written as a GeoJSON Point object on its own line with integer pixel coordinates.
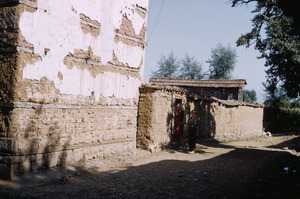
{"type": "Point", "coordinates": [51, 135]}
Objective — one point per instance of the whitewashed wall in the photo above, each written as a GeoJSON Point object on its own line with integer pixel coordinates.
{"type": "Point", "coordinates": [54, 30]}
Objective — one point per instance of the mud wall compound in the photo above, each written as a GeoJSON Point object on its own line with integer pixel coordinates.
{"type": "Point", "coordinates": [69, 78]}
{"type": "Point", "coordinates": [219, 119]}
{"type": "Point", "coordinates": [228, 120]}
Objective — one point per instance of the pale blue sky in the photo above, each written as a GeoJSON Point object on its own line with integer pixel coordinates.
{"type": "Point", "coordinates": [194, 27]}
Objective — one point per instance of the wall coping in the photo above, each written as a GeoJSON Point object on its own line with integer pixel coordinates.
{"type": "Point", "coordinates": [168, 89]}
{"type": "Point", "coordinates": [202, 83]}
{"type": "Point", "coordinates": [229, 103]}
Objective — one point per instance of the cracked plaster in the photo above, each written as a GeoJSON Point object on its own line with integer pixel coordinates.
{"type": "Point", "coordinates": [55, 26]}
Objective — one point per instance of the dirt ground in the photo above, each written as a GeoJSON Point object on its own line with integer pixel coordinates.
{"type": "Point", "coordinates": [264, 167]}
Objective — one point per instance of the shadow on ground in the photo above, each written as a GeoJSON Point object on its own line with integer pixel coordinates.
{"type": "Point", "coordinates": [293, 144]}
{"type": "Point", "coordinates": [240, 173]}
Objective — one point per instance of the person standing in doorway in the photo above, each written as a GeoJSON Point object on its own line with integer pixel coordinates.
{"type": "Point", "coordinates": [177, 125]}
{"type": "Point", "coordinates": [192, 131]}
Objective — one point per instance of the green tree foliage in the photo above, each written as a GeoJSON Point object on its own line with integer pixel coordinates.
{"type": "Point", "coordinates": [276, 97]}
{"type": "Point", "coordinates": [295, 104]}
{"type": "Point", "coordinates": [249, 95]}
{"type": "Point", "coordinates": [222, 62]}
{"type": "Point", "coordinates": [190, 68]}
{"type": "Point", "coordinates": [186, 68]}
{"type": "Point", "coordinates": [282, 120]}
{"type": "Point", "coordinates": [168, 67]}
{"type": "Point", "coordinates": [280, 113]}
{"type": "Point", "coordinates": [278, 102]}
{"type": "Point", "coordinates": [280, 43]}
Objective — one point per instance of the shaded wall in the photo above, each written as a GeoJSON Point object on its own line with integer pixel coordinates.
{"type": "Point", "coordinates": [220, 93]}
{"type": "Point", "coordinates": [205, 114]}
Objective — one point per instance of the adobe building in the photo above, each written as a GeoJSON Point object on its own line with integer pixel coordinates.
{"type": "Point", "coordinates": [70, 72]}
{"type": "Point", "coordinates": [224, 89]}
{"type": "Point", "coordinates": [220, 109]}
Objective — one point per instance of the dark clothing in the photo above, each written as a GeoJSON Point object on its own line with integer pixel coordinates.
{"type": "Point", "coordinates": [176, 140]}
{"type": "Point", "coordinates": [192, 137]}
{"type": "Point", "coordinates": [193, 122]}
{"type": "Point", "coordinates": [192, 132]}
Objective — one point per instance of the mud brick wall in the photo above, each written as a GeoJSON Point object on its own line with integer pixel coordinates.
{"type": "Point", "coordinates": [70, 72]}
{"type": "Point", "coordinates": [238, 122]}
{"type": "Point", "coordinates": [155, 116]}
{"type": "Point", "coordinates": [228, 120]}
{"type": "Point", "coordinates": [218, 119]}
{"type": "Point", "coordinates": [52, 135]}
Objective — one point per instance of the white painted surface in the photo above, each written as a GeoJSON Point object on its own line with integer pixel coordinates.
{"type": "Point", "coordinates": [56, 25]}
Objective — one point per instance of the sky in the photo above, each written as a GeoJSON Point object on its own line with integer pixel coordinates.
{"type": "Point", "coordinates": [195, 27]}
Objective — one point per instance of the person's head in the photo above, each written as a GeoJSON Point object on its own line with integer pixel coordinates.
{"type": "Point", "coordinates": [194, 114]}
{"type": "Point", "coordinates": [178, 106]}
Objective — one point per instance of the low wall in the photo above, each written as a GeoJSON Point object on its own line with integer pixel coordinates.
{"type": "Point", "coordinates": [219, 119]}
{"type": "Point", "coordinates": [227, 120]}
{"type": "Point", "coordinates": [237, 122]}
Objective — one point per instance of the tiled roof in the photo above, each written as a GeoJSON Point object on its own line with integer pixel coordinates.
{"type": "Point", "coordinates": [211, 83]}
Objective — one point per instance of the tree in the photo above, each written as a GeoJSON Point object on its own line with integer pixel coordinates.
{"type": "Point", "coordinates": [186, 68]}
{"type": "Point", "coordinates": [190, 68]}
{"type": "Point", "coordinates": [222, 62]}
{"type": "Point", "coordinates": [168, 67]}
{"type": "Point", "coordinates": [278, 102]}
{"type": "Point", "coordinates": [280, 45]}
{"type": "Point", "coordinates": [295, 104]}
{"type": "Point", "coordinates": [249, 95]}
{"type": "Point", "coordinates": [276, 97]}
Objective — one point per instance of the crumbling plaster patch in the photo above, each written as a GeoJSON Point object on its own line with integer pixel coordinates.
{"type": "Point", "coordinates": [128, 38]}
{"type": "Point", "coordinates": [141, 12]}
{"type": "Point", "coordinates": [89, 26]}
{"type": "Point", "coordinates": [87, 58]}
{"type": "Point", "coordinates": [127, 28]}
{"type": "Point", "coordinates": [106, 82]}
{"type": "Point", "coordinates": [64, 16]}
{"type": "Point", "coordinates": [10, 34]}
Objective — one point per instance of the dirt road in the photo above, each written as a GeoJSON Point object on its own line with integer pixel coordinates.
{"type": "Point", "coordinates": [265, 167]}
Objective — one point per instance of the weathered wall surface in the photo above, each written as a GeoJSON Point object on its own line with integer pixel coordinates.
{"type": "Point", "coordinates": [155, 116]}
{"type": "Point", "coordinates": [70, 73]}
{"type": "Point", "coordinates": [219, 119]}
{"type": "Point", "coordinates": [227, 120]}
{"type": "Point", "coordinates": [94, 49]}
{"type": "Point", "coordinates": [238, 122]}
{"type": "Point", "coordinates": [51, 135]}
